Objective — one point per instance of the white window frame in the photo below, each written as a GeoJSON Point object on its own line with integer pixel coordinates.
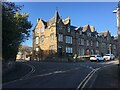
{"type": "Point", "coordinates": [91, 43]}
{"type": "Point", "coordinates": [81, 51]}
{"type": "Point", "coordinates": [37, 40]}
{"type": "Point", "coordinates": [69, 50]}
{"type": "Point", "coordinates": [42, 29]}
{"type": "Point", "coordinates": [52, 47]}
{"type": "Point", "coordinates": [60, 37]}
{"type": "Point", "coordinates": [87, 42]}
{"type": "Point", "coordinates": [37, 30]}
{"type": "Point", "coordinates": [69, 39]}
{"type": "Point", "coordinates": [51, 36]}
{"type": "Point", "coordinates": [97, 44]}
{"type": "Point", "coordinates": [82, 41]}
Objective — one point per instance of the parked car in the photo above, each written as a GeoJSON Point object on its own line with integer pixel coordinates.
{"type": "Point", "coordinates": [96, 58]}
{"type": "Point", "coordinates": [109, 57]}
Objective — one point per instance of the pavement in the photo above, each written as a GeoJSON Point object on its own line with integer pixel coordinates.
{"type": "Point", "coordinates": [19, 71]}
{"type": "Point", "coordinates": [108, 77]}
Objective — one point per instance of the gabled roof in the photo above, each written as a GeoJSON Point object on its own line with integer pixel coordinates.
{"type": "Point", "coordinates": [73, 27]}
{"type": "Point", "coordinates": [104, 33]}
{"type": "Point", "coordinates": [45, 23]}
{"type": "Point", "coordinates": [56, 18]}
{"type": "Point", "coordinates": [86, 27]}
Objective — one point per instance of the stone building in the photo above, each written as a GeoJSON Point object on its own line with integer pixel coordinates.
{"type": "Point", "coordinates": [57, 37]}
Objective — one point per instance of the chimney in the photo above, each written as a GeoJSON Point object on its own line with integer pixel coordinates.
{"type": "Point", "coordinates": [38, 20]}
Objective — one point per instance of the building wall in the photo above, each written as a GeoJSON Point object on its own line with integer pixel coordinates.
{"type": "Point", "coordinates": [50, 47]}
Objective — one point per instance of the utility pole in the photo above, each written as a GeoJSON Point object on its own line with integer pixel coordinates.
{"type": "Point", "coordinates": [117, 11]}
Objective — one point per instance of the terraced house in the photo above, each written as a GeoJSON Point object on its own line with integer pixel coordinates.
{"type": "Point", "coordinates": [57, 37]}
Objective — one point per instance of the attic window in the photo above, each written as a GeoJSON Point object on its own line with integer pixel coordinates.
{"type": "Point", "coordinates": [90, 34]}
{"type": "Point", "coordinates": [42, 29]}
{"type": "Point", "coordinates": [80, 32]}
{"type": "Point", "coordinates": [37, 30]}
{"type": "Point", "coordinates": [68, 28]}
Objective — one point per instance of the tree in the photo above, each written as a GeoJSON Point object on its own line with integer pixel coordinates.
{"type": "Point", "coordinates": [15, 29]}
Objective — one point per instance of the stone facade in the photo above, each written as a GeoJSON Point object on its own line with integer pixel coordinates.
{"type": "Point", "coordinates": [57, 37]}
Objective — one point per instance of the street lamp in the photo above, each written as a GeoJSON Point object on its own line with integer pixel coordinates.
{"type": "Point", "coordinates": [110, 51]}
{"type": "Point", "coordinates": [117, 11]}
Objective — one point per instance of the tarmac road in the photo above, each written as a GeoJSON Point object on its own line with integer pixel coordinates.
{"type": "Point", "coordinates": [59, 75]}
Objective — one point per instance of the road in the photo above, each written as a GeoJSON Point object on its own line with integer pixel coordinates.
{"type": "Point", "coordinates": [58, 75]}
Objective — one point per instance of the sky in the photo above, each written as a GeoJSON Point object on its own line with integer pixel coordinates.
{"type": "Point", "coordinates": [97, 14]}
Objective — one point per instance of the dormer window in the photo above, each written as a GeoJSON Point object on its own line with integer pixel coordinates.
{"type": "Point", "coordinates": [90, 34]}
{"type": "Point", "coordinates": [80, 32]}
{"type": "Point", "coordinates": [68, 28]}
{"type": "Point", "coordinates": [37, 30]}
{"type": "Point", "coordinates": [42, 29]}
{"type": "Point", "coordinates": [87, 33]}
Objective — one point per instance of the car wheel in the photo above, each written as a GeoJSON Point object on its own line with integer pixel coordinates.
{"type": "Point", "coordinates": [104, 59]}
{"type": "Point", "coordinates": [97, 60]}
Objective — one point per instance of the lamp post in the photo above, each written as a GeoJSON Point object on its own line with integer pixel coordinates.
{"type": "Point", "coordinates": [117, 11]}
{"type": "Point", "coordinates": [110, 51]}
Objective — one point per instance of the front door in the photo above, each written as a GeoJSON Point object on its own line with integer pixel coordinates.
{"type": "Point", "coordinates": [60, 51]}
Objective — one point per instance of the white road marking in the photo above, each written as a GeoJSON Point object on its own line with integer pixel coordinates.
{"type": "Point", "coordinates": [89, 76]}
{"type": "Point", "coordinates": [51, 73]}
{"type": "Point", "coordinates": [32, 71]}
{"type": "Point", "coordinates": [28, 74]}
{"type": "Point", "coordinates": [84, 80]}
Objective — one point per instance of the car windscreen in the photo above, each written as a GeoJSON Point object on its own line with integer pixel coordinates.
{"type": "Point", "coordinates": [92, 56]}
{"type": "Point", "coordinates": [107, 55]}
{"type": "Point", "coordinates": [98, 56]}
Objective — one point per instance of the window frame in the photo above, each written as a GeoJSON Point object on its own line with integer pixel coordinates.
{"type": "Point", "coordinates": [42, 39]}
{"type": "Point", "coordinates": [52, 37]}
{"type": "Point", "coordinates": [37, 40]}
{"type": "Point", "coordinates": [60, 37]}
{"type": "Point", "coordinates": [68, 39]}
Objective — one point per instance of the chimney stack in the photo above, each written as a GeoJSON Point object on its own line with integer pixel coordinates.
{"type": "Point", "coordinates": [38, 20]}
